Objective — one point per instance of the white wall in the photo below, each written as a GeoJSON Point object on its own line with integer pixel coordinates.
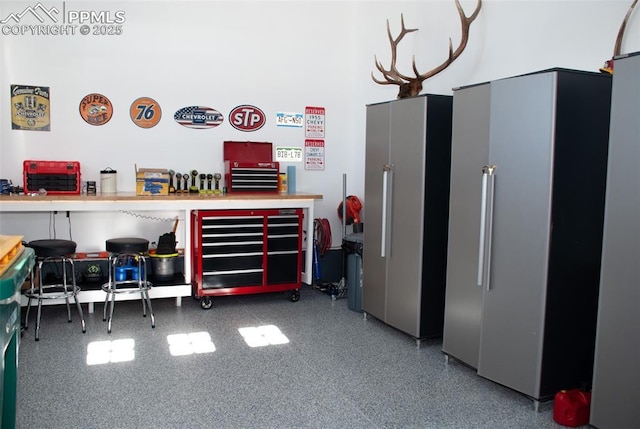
{"type": "Point", "coordinates": [278, 55]}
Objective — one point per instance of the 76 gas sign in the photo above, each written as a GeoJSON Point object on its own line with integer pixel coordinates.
{"type": "Point", "coordinates": [145, 112]}
{"type": "Point", "coordinates": [247, 118]}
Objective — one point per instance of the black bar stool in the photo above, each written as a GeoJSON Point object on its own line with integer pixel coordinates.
{"type": "Point", "coordinates": [127, 274]}
{"type": "Point", "coordinates": [53, 254]}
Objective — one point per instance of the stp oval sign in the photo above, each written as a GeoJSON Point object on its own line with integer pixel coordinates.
{"type": "Point", "coordinates": [247, 118]}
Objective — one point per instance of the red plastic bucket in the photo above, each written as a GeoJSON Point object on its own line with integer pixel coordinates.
{"type": "Point", "coordinates": [571, 407]}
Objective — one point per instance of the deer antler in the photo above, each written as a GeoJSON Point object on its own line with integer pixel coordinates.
{"type": "Point", "coordinates": [392, 76]}
{"type": "Point", "coordinates": [608, 65]}
{"type": "Point", "coordinates": [410, 86]}
{"type": "Point", "coordinates": [616, 49]}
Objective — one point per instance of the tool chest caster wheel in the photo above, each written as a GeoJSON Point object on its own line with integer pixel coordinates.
{"type": "Point", "coordinates": [206, 303]}
{"type": "Point", "coordinates": [294, 295]}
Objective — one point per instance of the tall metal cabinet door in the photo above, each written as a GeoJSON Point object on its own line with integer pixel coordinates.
{"type": "Point", "coordinates": [407, 157]}
{"type": "Point", "coordinates": [521, 148]}
{"type": "Point", "coordinates": [616, 374]}
{"type": "Point", "coordinates": [374, 276]}
{"type": "Point", "coordinates": [469, 149]}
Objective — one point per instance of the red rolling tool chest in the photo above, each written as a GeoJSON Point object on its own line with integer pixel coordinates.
{"type": "Point", "coordinates": [236, 252]}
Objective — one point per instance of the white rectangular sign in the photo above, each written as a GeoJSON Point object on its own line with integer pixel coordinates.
{"type": "Point", "coordinates": [314, 122]}
{"type": "Point", "coordinates": [288, 154]}
{"type": "Point", "coordinates": [314, 154]}
{"type": "Point", "coordinates": [284, 119]}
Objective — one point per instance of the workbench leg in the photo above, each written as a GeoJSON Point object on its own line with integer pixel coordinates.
{"type": "Point", "coordinates": [90, 307]}
{"type": "Point", "coordinates": [178, 301]}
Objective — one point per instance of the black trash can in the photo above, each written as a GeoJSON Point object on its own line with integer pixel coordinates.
{"type": "Point", "coordinates": [352, 247]}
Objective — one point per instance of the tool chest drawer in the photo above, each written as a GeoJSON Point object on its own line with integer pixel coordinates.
{"type": "Point", "coordinates": [245, 252]}
{"type": "Point", "coordinates": [252, 177]}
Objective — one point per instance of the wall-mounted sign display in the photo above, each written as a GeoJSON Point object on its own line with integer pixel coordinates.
{"type": "Point", "coordinates": [247, 118]}
{"type": "Point", "coordinates": [314, 154]}
{"type": "Point", "coordinates": [284, 119]}
{"type": "Point", "coordinates": [314, 122]}
{"type": "Point", "coordinates": [30, 108]}
{"type": "Point", "coordinates": [198, 117]}
{"type": "Point", "coordinates": [288, 154]}
{"type": "Point", "coordinates": [145, 112]}
{"type": "Point", "coordinates": [96, 109]}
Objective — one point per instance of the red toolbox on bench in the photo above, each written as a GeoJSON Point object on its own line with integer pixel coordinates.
{"type": "Point", "coordinates": [249, 167]}
{"type": "Point", "coordinates": [56, 177]}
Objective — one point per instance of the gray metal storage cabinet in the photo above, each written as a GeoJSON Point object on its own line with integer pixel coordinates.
{"type": "Point", "coordinates": [528, 175]}
{"type": "Point", "coordinates": [408, 152]}
{"type": "Point", "coordinates": [616, 375]}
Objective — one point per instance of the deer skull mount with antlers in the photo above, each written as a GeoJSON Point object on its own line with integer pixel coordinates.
{"type": "Point", "coordinates": [411, 86]}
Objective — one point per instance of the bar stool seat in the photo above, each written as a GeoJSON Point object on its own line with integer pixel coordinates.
{"type": "Point", "coordinates": [53, 253]}
{"type": "Point", "coordinates": [127, 274]}
{"type": "Point", "coordinates": [127, 245]}
{"type": "Point", "coordinates": [54, 247]}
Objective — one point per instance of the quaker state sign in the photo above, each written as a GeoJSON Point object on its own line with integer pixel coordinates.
{"type": "Point", "coordinates": [30, 108]}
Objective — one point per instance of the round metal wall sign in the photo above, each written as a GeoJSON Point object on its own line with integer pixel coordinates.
{"type": "Point", "coordinates": [145, 112]}
{"type": "Point", "coordinates": [96, 109]}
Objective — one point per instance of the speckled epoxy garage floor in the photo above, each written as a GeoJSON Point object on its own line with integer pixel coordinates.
{"type": "Point", "coordinates": [327, 367]}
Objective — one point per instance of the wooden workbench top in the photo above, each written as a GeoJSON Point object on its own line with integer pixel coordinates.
{"type": "Point", "coordinates": [131, 196]}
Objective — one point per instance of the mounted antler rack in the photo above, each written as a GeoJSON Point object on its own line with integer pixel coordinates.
{"type": "Point", "coordinates": [411, 86]}
{"type": "Point", "coordinates": [608, 65]}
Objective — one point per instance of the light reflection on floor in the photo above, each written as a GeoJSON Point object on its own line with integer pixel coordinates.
{"type": "Point", "coordinates": [123, 350]}
{"type": "Point", "coordinates": [111, 351]}
{"type": "Point", "coordinates": [192, 343]}
{"type": "Point", "coordinates": [260, 336]}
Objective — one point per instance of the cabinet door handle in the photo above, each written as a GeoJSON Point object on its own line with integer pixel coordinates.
{"type": "Point", "coordinates": [486, 225]}
{"type": "Point", "coordinates": [387, 176]}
